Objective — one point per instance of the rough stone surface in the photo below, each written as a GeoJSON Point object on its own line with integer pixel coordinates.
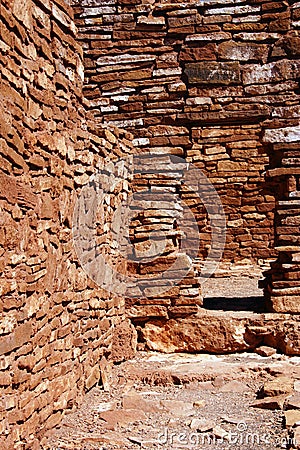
{"type": "Point", "coordinates": [292, 418]}
{"type": "Point", "coordinates": [293, 402]}
{"type": "Point", "coordinates": [56, 325]}
{"type": "Point", "coordinates": [177, 381]}
{"type": "Point", "coordinates": [214, 83]}
{"type": "Point", "coordinates": [231, 332]}
{"type": "Point", "coordinates": [276, 402]}
{"type": "Point", "coordinates": [217, 84]}
{"type": "Point", "coordinates": [265, 351]}
{"type": "Point", "coordinates": [124, 342]}
{"type": "Point", "coordinates": [278, 386]}
{"type": "Point", "coordinates": [212, 73]}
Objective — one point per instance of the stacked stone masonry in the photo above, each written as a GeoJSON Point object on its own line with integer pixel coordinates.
{"type": "Point", "coordinates": [201, 80]}
{"type": "Point", "coordinates": [164, 237]}
{"type": "Point", "coordinates": [216, 83]}
{"type": "Point", "coordinates": [56, 325]}
{"type": "Point", "coordinates": [281, 285]}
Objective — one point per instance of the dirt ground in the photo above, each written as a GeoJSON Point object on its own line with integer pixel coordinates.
{"type": "Point", "coordinates": [181, 402]}
{"type": "Point", "coordinates": [184, 401]}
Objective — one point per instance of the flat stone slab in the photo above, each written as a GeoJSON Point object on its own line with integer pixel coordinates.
{"type": "Point", "coordinates": [205, 372]}
{"type": "Point", "coordinates": [223, 332]}
{"type": "Point", "coordinates": [213, 72]}
{"type": "Point", "coordinates": [168, 400]}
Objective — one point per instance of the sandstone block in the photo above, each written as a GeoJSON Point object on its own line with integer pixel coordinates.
{"type": "Point", "coordinates": [124, 342]}
{"type": "Point", "coordinates": [292, 418]}
{"type": "Point", "coordinates": [16, 339]}
{"type": "Point", "coordinates": [288, 134]}
{"type": "Point", "coordinates": [278, 386]}
{"type": "Point", "coordinates": [121, 417]}
{"type": "Point", "coordinates": [213, 73]}
{"type": "Point", "coordinates": [272, 403]}
{"type": "Point", "coordinates": [93, 378]}
{"type": "Point", "coordinates": [243, 51]}
{"type": "Point", "coordinates": [275, 71]}
{"type": "Point", "coordinates": [293, 402]}
{"type": "Point", "coordinates": [265, 351]}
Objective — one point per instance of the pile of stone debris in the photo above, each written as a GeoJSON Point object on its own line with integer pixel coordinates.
{"type": "Point", "coordinates": [179, 401]}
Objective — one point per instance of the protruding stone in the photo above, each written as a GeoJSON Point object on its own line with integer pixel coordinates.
{"type": "Point", "coordinates": [278, 386]}
{"type": "Point", "coordinates": [292, 418]}
{"type": "Point", "coordinates": [265, 351]}
{"type": "Point", "coordinates": [272, 403]}
{"type": "Point", "coordinates": [293, 402]}
{"type": "Point", "coordinates": [202, 425]}
{"type": "Point", "coordinates": [219, 432]}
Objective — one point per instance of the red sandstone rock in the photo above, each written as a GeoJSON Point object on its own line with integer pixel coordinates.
{"type": "Point", "coordinates": [278, 386]}
{"type": "Point", "coordinates": [231, 333]}
{"type": "Point", "coordinates": [49, 147]}
{"type": "Point", "coordinates": [293, 402]}
{"type": "Point", "coordinates": [270, 402]}
{"type": "Point", "coordinates": [134, 401]}
{"type": "Point", "coordinates": [124, 342]}
{"type": "Point", "coordinates": [292, 418]}
{"type": "Point", "coordinates": [265, 351]}
{"type": "Point", "coordinates": [121, 417]}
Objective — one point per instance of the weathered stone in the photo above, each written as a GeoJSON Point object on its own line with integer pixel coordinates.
{"type": "Point", "coordinates": [292, 45]}
{"type": "Point", "coordinates": [278, 386]}
{"type": "Point", "coordinates": [206, 53]}
{"type": "Point", "coordinates": [243, 51]}
{"type": "Point", "coordinates": [285, 303]}
{"type": "Point", "coordinates": [288, 134]}
{"type": "Point", "coordinates": [178, 408]}
{"type": "Point", "coordinates": [229, 166]}
{"type": "Point", "coordinates": [124, 342]}
{"type": "Point", "coordinates": [232, 333]}
{"type": "Point", "coordinates": [218, 36]}
{"type": "Point", "coordinates": [135, 401]}
{"type": "Point", "coordinates": [23, 11]}
{"type": "Point", "coordinates": [147, 311]}
{"type": "Point", "coordinates": [93, 378]}
{"type": "Point", "coordinates": [265, 351]}
{"type": "Point", "coordinates": [121, 417]}
{"type": "Point", "coordinates": [199, 403]}
{"type": "Point", "coordinates": [234, 10]}
{"type": "Point", "coordinates": [234, 386]}
{"type": "Point", "coordinates": [292, 418]}
{"type": "Point", "coordinates": [219, 432]}
{"type": "Point", "coordinates": [275, 71]}
{"type": "Point", "coordinates": [293, 402]}
{"type": "Point", "coordinates": [272, 403]}
{"type": "Point", "coordinates": [202, 425]}
{"type": "Point", "coordinates": [212, 73]}
{"type": "Point", "coordinates": [16, 339]}
{"type": "Point", "coordinates": [193, 335]}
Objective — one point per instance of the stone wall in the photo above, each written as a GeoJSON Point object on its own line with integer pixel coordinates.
{"type": "Point", "coordinates": [202, 80]}
{"type": "Point", "coordinates": [56, 325]}
{"type": "Point", "coordinates": [164, 236]}
{"type": "Point", "coordinates": [216, 84]}
{"type": "Point", "coordinates": [281, 285]}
